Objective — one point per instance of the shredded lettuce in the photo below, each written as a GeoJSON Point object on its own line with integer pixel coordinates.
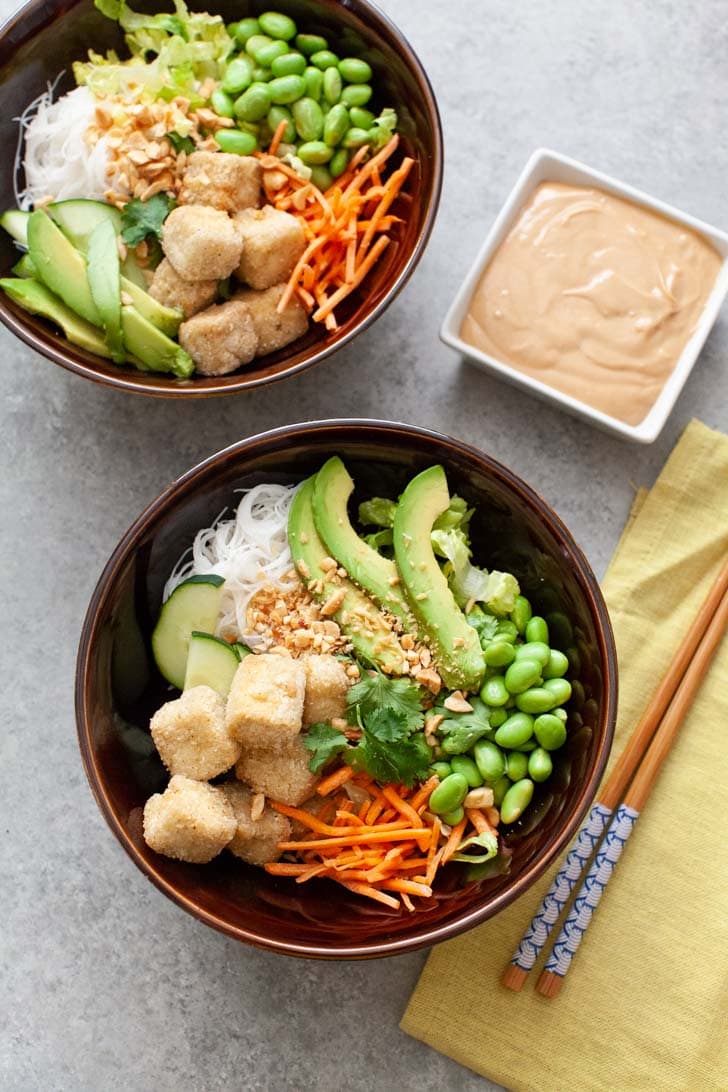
{"type": "Point", "coordinates": [487, 842]}
{"type": "Point", "coordinates": [377, 512]}
{"type": "Point", "coordinates": [496, 590]}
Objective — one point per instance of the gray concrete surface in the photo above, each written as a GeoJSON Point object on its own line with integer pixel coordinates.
{"type": "Point", "coordinates": [104, 984]}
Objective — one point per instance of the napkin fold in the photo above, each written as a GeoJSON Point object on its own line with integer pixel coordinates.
{"type": "Point", "coordinates": [645, 1004]}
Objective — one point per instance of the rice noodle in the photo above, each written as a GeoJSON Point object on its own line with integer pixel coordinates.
{"type": "Point", "coordinates": [250, 551]}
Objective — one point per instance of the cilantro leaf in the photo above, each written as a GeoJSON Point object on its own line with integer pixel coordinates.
{"type": "Point", "coordinates": [142, 218]}
{"type": "Point", "coordinates": [180, 143]}
{"type": "Point", "coordinates": [461, 730]}
{"type": "Point", "coordinates": [387, 752]}
{"type": "Point", "coordinates": [483, 623]}
{"type": "Point", "coordinates": [378, 692]}
{"type": "Point", "coordinates": [325, 742]}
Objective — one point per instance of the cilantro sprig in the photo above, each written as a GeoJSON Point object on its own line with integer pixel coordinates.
{"type": "Point", "coordinates": [141, 219]}
{"type": "Point", "coordinates": [378, 691]}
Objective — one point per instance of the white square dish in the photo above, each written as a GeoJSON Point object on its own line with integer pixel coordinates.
{"type": "Point", "coordinates": [548, 166]}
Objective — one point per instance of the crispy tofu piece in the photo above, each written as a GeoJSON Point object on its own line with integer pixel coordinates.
{"type": "Point", "coordinates": [326, 687]}
{"type": "Point", "coordinates": [265, 703]}
{"type": "Point", "coordinates": [220, 339]}
{"type": "Point", "coordinates": [255, 840]}
{"type": "Point", "coordinates": [274, 330]}
{"type": "Point", "coordinates": [191, 736]}
{"type": "Point", "coordinates": [273, 241]}
{"type": "Point", "coordinates": [174, 291]}
{"type": "Point", "coordinates": [190, 821]}
{"type": "Point", "coordinates": [203, 244]}
{"type": "Point", "coordinates": [222, 181]}
{"type": "Point", "coordinates": [282, 775]}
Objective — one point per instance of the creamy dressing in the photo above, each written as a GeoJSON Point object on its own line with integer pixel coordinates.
{"type": "Point", "coordinates": [593, 295]}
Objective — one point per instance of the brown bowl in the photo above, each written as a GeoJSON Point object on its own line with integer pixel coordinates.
{"type": "Point", "coordinates": [46, 36]}
{"type": "Point", "coordinates": [118, 687]}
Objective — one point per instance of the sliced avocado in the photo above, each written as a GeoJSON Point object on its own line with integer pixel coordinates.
{"type": "Point", "coordinates": [153, 349]}
{"type": "Point", "coordinates": [373, 639]}
{"type": "Point", "coordinates": [377, 575]}
{"type": "Point", "coordinates": [24, 267]}
{"type": "Point", "coordinates": [15, 222]}
{"type": "Point", "coordinates": [455, 645]}
{"type": "Point", "coordinates": [166, 319]}
{"type": "Point", "coordinates": [104, 282]}
{"type": "Point", "coordinates": [78, 217]}
{"type": "Point", "coordinates": [39, 300]}
{"type": "Point", "coordinates": [60, 266]}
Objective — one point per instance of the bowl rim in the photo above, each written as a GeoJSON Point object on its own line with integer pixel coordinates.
{"type": "Point", "coordinates": [126, 546]}
{"type": "Point", "coordinates": [153, 388]}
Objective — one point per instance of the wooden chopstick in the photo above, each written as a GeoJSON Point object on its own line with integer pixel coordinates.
{"type": "Point", "coordinates": [629, 810]}
{"type": "Point", "coordinates": [591, 831]}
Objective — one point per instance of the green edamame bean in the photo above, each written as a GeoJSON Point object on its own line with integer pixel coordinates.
{"type": "Point", "coordinates": [496, 717]}
{"type": "Point", "coordinates": [560, 688]}
{"type": "Point", "coordinates": [561, 714]}
{"type": "Point", "coordinates": [288, 64]}
{"type": "Point", "coordinates": [536, 700]}
{"type": "Point", "coordinates": [516, 765]}
{"type": "Point", "coordinates": [355, 138]}
{"type": "Point", "coordinates": [556, 665]}
{"type": "Point", "coordinates": [356, 94]}
{"type": "Point", "coordinates": [277, 25]}
{"type": "Point", "coordinates": [489, 759]}
{"type": "Point", "coordinates": [500, 789]}
{"type": "Point", "coordinates": [238, 75]}
{"type": "Point", "coordinates": [550, 731]}
{"type": "Point", "coordinates": [464, 764]}
{"type": "Point", "coordinates": [506, 629]}
{"type": "Point", "coordinates": [265, 55]}
{"type": "Point", "coordinates": [339, 162]}
{"type": "Point", "coordinates": [254, 103]}
{"type": "Point", "coordinates": [516, 800]}
{"type": "Point", "coordinates": [232, 140]}
{"type": "Point", "coordinates": [355, 70]}
{"type": "Point", "coordinates": [261, 75]}
{"type": "Point", "coordinates": [222, 104]}
{"type": "Point", "coordinates": [252, 127]}
{"type": "Point", "coordinates": [441, 769]}
{"type": "Point", "coordinates": [534, 650]}
{"type": "Point", "coordinates": [529, 745]}
{"type": "Point", "coordinates": [498, 653]}
{"type": "Point", "coordinates": [515, 731]}
{"type": "Point", "coordinates": [521, 613]}
{"type": "Point", "coordinates": [324, 58]}
{"type": "Point", "coordinates": [321, 177]}
{"type": "Point", "coordinates": [537, 630]}
{"type": "Point", "coordinates": [449, 794]}
{"type": "Point", "coordinates": [286, 89]}
{"type": "Point", "coordinates": [452, 818]}
{"type": "Point", "coordinates": [336, 123]}
{"type": "Point", "coordinates": [314, 79]}
{"type": "Point", "coordinates": [256, 42]}
{"type": "Point", "coordinates": [315, 151]}
{"type": "Point", "coordinates": [540, 765]}
{"type": "Point", "coordinates": [308, 118]}
{"type": "Point", "coordinates": [311, 43]}
{"type": "Point", "coordinates": [522, 674]}
{"type": "Point", "coordinates": [494, 691]}
{"type": "Point", "coordinates": [363, 119]}
{"type": "Point", "coordinates": [275, 116]}
{"type": "Point", "coordinates": [244, 30]}
{"type": "Point", "coordinates": [332, 85]}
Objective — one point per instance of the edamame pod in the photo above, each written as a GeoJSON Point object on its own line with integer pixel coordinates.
{"type": "Point", "coordinates": [277, 25]}
{"type": "Point", "coordinates": [550, 731]}
{"type": "Point", "coordinates": [522, 674]}
{"type": "Point", "coordinates": [311, 43]}
{"type": "Point", "coordinates": [285, 90]}
{"type": "Point", "coordinates": [332, 85]}
{"type": "Point", "coordinates": [534, 650]}
{"type": "Point", "coordinates": [536, 700]}
{"type": "Point", "coordinates": [556, 666]}
{"type": "Point", "coordinates": [236, 142]}
{"type": "Point", "coordinates": [464, 764]}
{"type": "Point", "coordinates": [355, 70]}
{"type": "Point", "coordinates": [254, 103]}
{"type": "Point", "coordinates": [540, 765]}
{"type": "Point", "coordinates": [308, 118]}
{"type": "Point", "coordinates": [515, 731]}
{"type": "Point", "coordinates": [324, 58]}
{"type": "Point", "coordinates": [356, 94]}
{"type": "Point", "coordinates": [516, 800]}
{"type": "Point", "coordinates": [449, 794]}
{"type": "Point", "coordinates": [288, 64]}
{"type": "Point", "coordinates": [560, 688]}
{"type": "Point", "coordinates": [489, 759]}
{"type": "Point", "coordinates": [494, 692]}
{"type": "Point", "coordinates": [499, 653]}
{"type": "Point", "coordinates": [336, 124]}
{"type": "Point", "coordinates": [521, 613]}
{"type": "Point", "coordinates": [537, 630]}
{"type": "Point", "coordinates": [238, 76]}
{"type": "Point", "coordinates": [516, 765]}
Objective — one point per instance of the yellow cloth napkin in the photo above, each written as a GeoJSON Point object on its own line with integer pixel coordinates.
{"type": "Point", "coordinates": [645, 1004]}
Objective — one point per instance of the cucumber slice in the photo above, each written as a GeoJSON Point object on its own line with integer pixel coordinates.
{"type": "Point", "coordinates": [15, 222]}
{"type": "Point", "coordinates": [77, 219]}
{"type": "Point", "coordinates": [242, 650]}
{"type": "Point", "coordinates": [210, 662]}
{"type": "Point", "coordinates": [193, 606]}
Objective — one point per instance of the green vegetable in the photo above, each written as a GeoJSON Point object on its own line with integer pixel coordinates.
{"type": "Point", "coordinates": [324, 58]}
{"type": "Point", "coordinates": [536, 700]}
{"type": "Point", "coordinates": [288, 64]}
{"type": "Point", "coordinates": [314, 80]}
{"type": "Point", "coordinates": [441, 769]}
{"type": "Point", "coordinates": [460, 731]}
{"type": "Point", "coordinates": [452, 818]}
{"type": "Point", "coordinates": [238, 75]}
{"type": "Point", "coordinates": [485, 625]}
{"type": "Point", "coordinates": [267, 54]}
{"type": "Point", "coordinates": [105, 284]}
{"type": "Point", "coordinates": [464, 764]}
{"type": "Point", "coordinates": [326, 743]}
{"type": "Point", "coordinates": [254, 103]}
{"type": "Point", "coordinates": [506, 628]}
{"type": "Point", "coordinates": [378, 512]}
{"type": "Point", "coordinates": [560, 688]}
{"type": "Point", "coordinates": [364, 119]}
{"type": "Point", "coordinates": [500, 788]}
{"type": "Point", "coordinates": [277, 25]}
{"type": "Point", "coordinates": [516, 800]}
{"type": "Point", "coordinates": [556, 665]}
{"type": "Point", "coordinates": [236, 142]}
{"type": "Point", "coordinates": [335, 126]}
{"type": "Point", "coordinates": [515, 731]}
{"type": "Point", "coordinates": [276, 115]}
{"type": "Point", "coordinates": [339, 162]}
{"type": "Point", "coordinates": [499, 653]}
{"type": "Point", "coordinates": [355, 70]}
{"type": "Point", "coordinates": [534, 650]}
{"type": "Point", "coordinates": [308, 118]}
{"type": "Point", "coordinates": [141, 219]}
{"type": "Point", "coordinates": [355, 138]}
{"type": "Point", "coordinates": [311, 43]}
{"type": "Point", "coordinates": [550, 731]}
{"type": "Point", "coordinates": [332, 85]}
{"type": "Point", "coordinates": [540, 766]}
{"type": "Point", "coordinates": [244, 30]}
{"type": "Point", "coordinates": [537, 629]}
{"type": "Point", "coordinates": [490, 760]}
{"type": "Point", "coordinates": [521, 613]}
{"type": "Point", "coordinates": [378, 540]}
{"type": "Point", "coordinates": [522, 674]}
{"type": "Point", "coordinates": [322, 178]}
{"type": "Point", "coordinates": [449, 794]}
{"type": "Point", "coordinates": [494, 691]}
{"type": "Point", "coordinates": [356, 94]}
{"type": "Point", "coordinates": [287, 89]}
{"type": "Point", "coordinates": [222, 104]}
{"type": "Point", "coordinates": [516, 765]}
{"type": "Point", "coordinates": [387, 753]}
{"type": "Point", "coordinates": [378, 691]}
{"type": "Point", "coordinates": [181, 143]}
{"type": "Point", "coordinates": [487, 841]}
{"type": "Point", "coordinates": [315, 151]}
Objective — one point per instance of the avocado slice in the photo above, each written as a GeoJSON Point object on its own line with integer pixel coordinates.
{"type": "Point", "coordinates": [155, 352]}
{"type": "Point", "coordinates": [60, 266]}
{"type": "Point", "coordinates": [39, 300]}
{"type": "Point", "coordinates": [104, 282]}
{"type": "Point", "coordinates": [372, 638]}
{"type": "Point", "coordinates": [15, 222]}
{"type": "Point", "coordinates": [377, 575]}
{"type": "Point", "coordinates": [24, 267]}
{"type": "Point", "coordinates": [166, 319]}
{"type": "Point", "coordinates": [77, 218]}
{"type": "Point", "coordinates": [455, 645]}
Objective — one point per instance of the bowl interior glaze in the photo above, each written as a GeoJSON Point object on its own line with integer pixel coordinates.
{"type": "Point", "coordinates": [45, 37]}
{"type": "Point", "coordinates": [117, 686]}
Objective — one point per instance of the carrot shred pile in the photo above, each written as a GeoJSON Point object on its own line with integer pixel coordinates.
{"type": "Point", "coordinates": [346, 228]}
{"type": "Point", "coordinates": [388, 847]}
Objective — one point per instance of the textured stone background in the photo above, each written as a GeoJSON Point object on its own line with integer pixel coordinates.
{"type": "Point", "coordinates": [104, 984]}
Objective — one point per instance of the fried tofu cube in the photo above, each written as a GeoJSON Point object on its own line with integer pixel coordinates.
{"type": "Point", "coordinates": [281, 775]}
{"type": "Point", "coordinates": [220, 339]}
{"type": "Point", "coordinates": [326, 687]}
{"type": "Point", "coordinates": [274, 330]}
{"type": "Point", "coordinates": [265, 703]}
{"type": "Point", "coordinates": [191, 736]}
{"type": "Point", "coordinates": [273, 241]}
{"type": "Point", "coordinates": [203, 244]}
{"type": "Point", "coordinates": [222, 181]}
{"type": "Point", "coordinates": [174, 291]}
{"type": "Point", "coordinates": [255, 840]}
{"type": "Point", "coordinates": [190, 821]}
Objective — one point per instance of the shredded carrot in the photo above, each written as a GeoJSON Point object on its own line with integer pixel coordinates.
{"type": "Point", "coordinates": [454, 839]}
{"type": "Point", "coordinates": [390, 794]}
{"type": "Point", "coordinates": [424, 792]}
{"type": "Point", "coordinates": [335, 780]}
{"type": "Point", "coordinates": [479, 821]}
{"type": "Point", "coordinates": [278, 136]}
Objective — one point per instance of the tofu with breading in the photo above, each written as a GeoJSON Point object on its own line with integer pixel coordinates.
{"type": "Point", "coordinates": [203, 244]}
{"type": "Point", "coordinates": [191, 736]}
{"type": "Point", "coordinates": [273, 241]}
{"type": "Point", "coordinates": [281, 775]}
{"type": "Point", "coordinates": [255, 840]}
{"type": "Point", "coordinates": [174, 291]}
{"type": "Point", "coordinates": [220, 339]}
{"type": "Point", "coordinates": [326, 688]}
{"type": "Point", "coordinates": [274, 330]}
{"type": "Point", "coordinates": [190, 821]}
{"type": "Point", "coordinates": [265, 704]}
{"type": "Point", "coordinates": [222, 181]}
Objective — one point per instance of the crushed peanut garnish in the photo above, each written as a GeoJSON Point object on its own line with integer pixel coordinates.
{"type": "Point", "coordinates": [456, 703]}
{"type": "Point", "coordinates": [257, 806]}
